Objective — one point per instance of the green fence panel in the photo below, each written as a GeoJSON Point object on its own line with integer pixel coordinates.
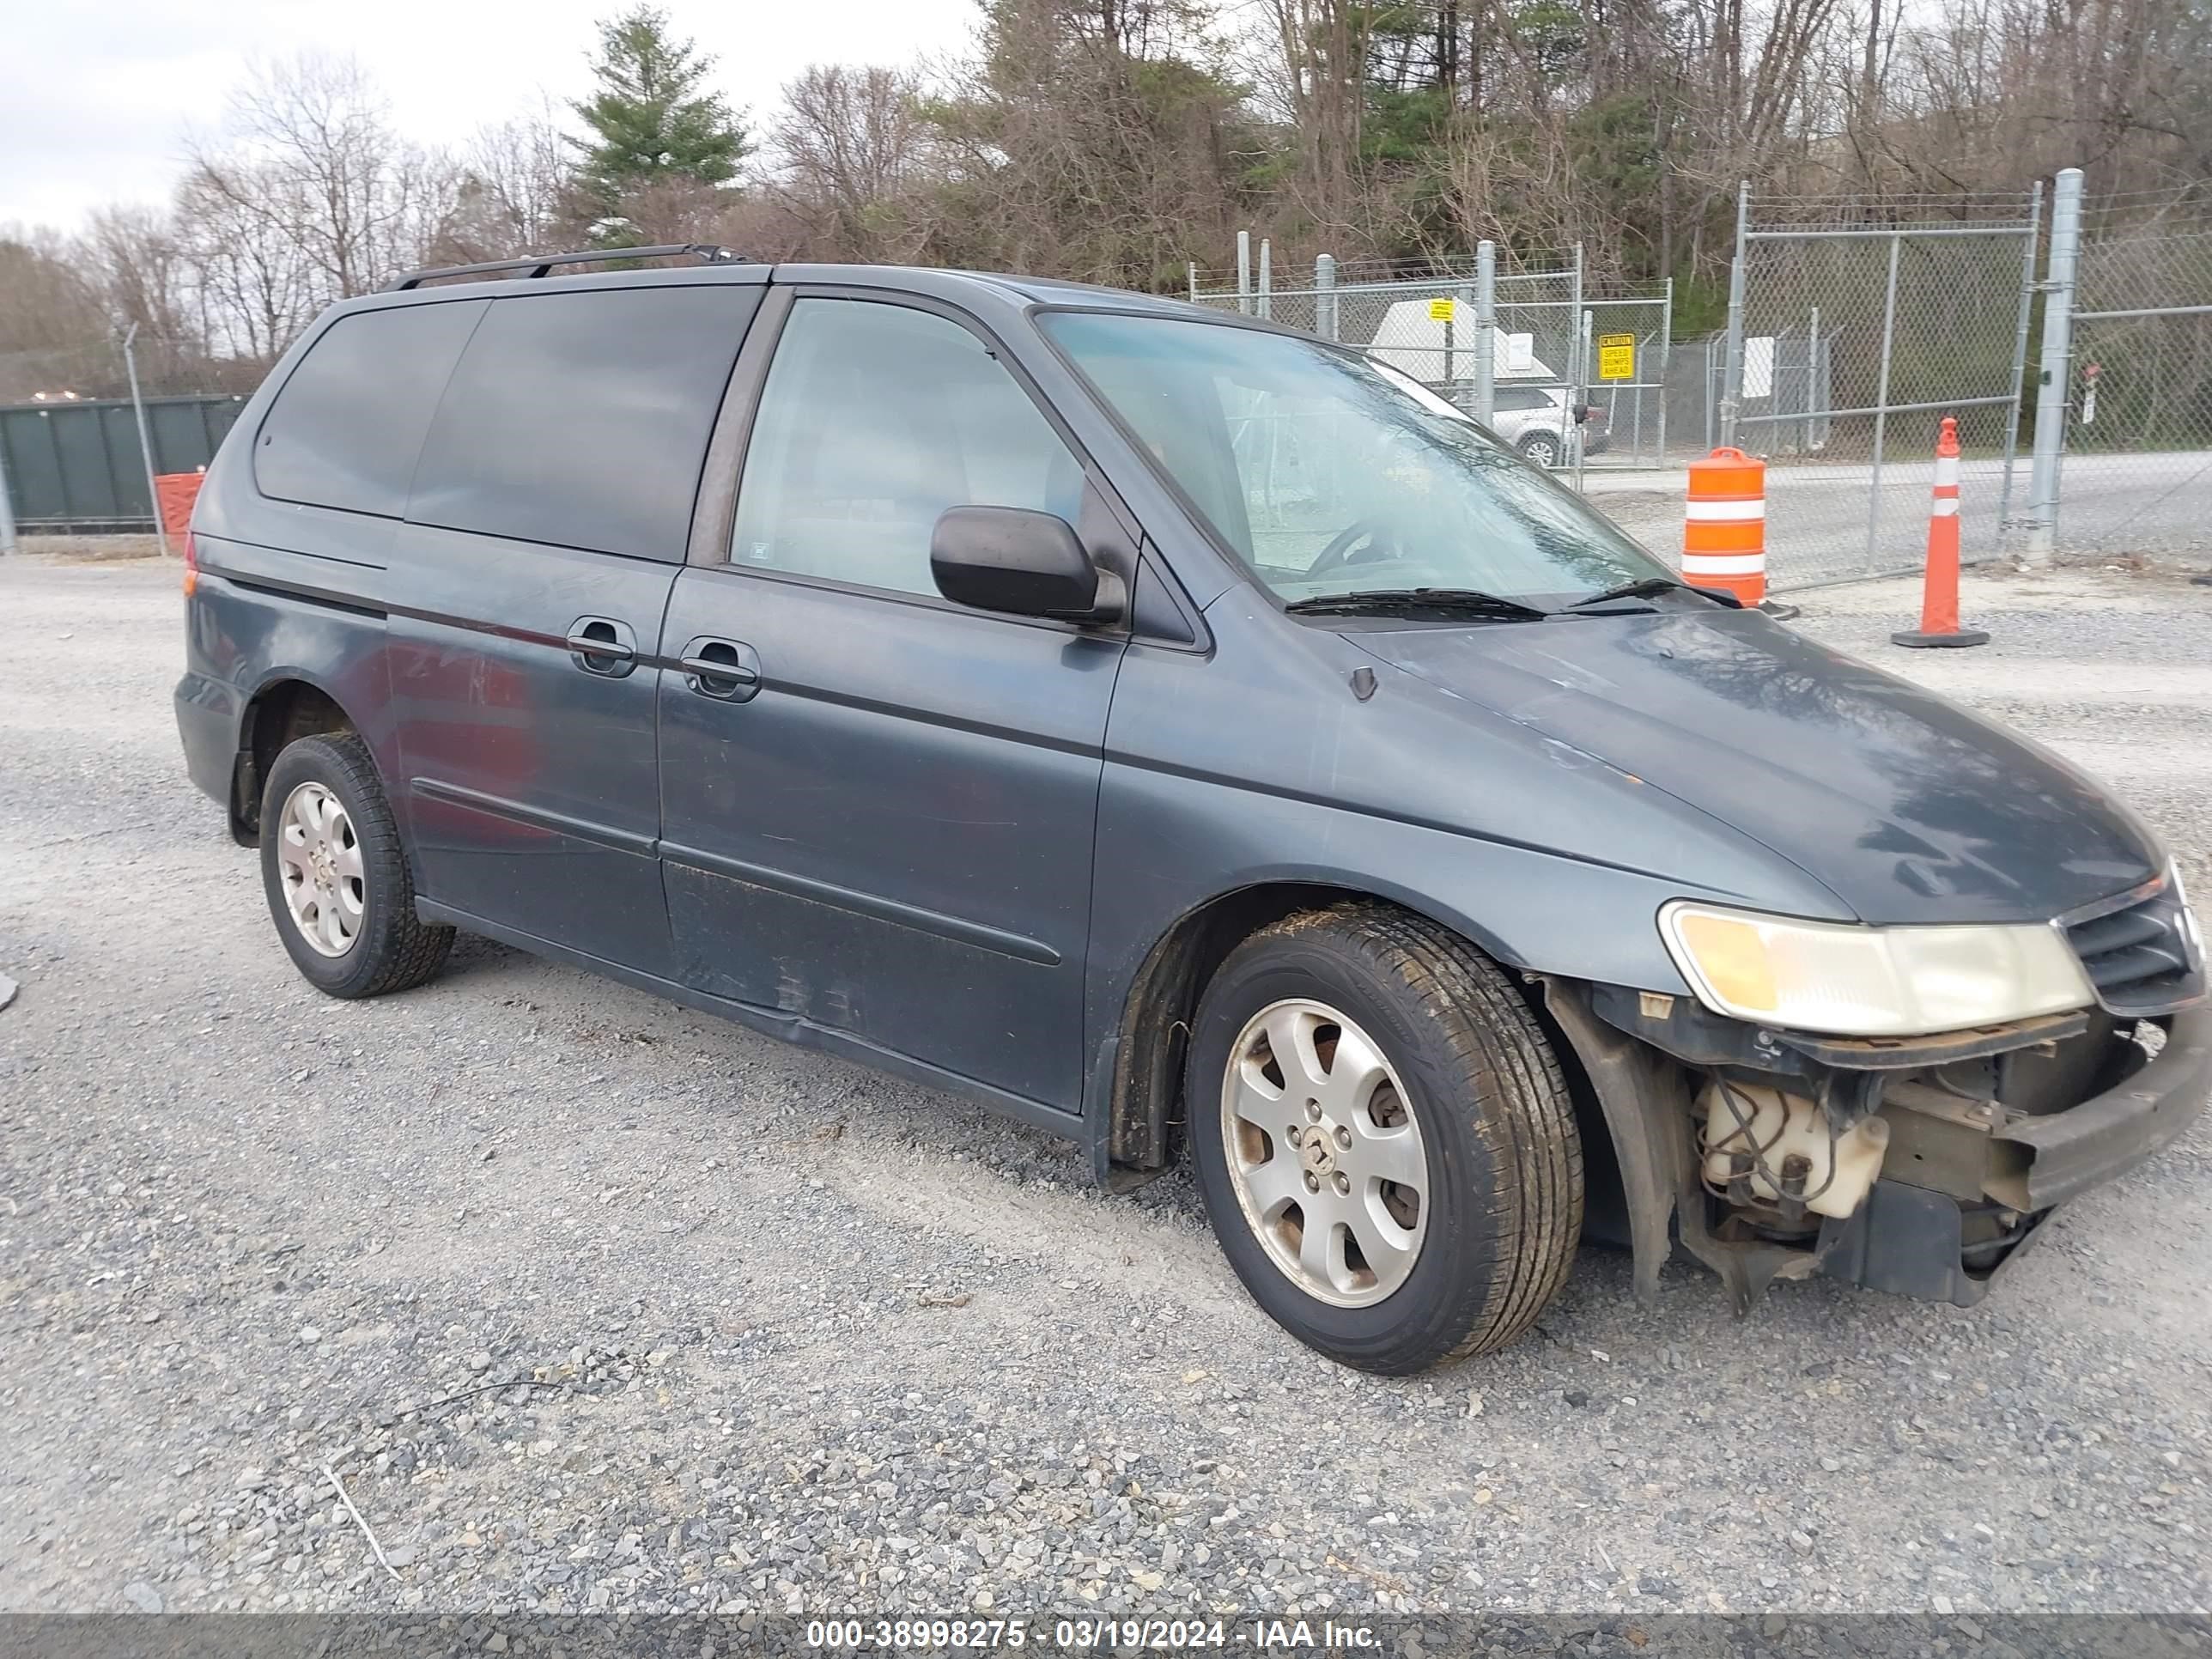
{"type": "Point", "coordinates": [76, 467]}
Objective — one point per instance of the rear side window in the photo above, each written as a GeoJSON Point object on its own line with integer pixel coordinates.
{"type": "Point", "coordinates": [348, 422]}
{"type": "Point", "coordinates": [581, 419]}
{"type": "Point", "coordinates": [1519, 397]}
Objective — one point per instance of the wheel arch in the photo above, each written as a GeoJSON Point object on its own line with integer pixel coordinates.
{"type": "Point", "coordinates": [1144, 1063]}
{"type": "Point", "coordinates": [288, 705]}
{"type": "Point", "coordinates": [1143, 1131]}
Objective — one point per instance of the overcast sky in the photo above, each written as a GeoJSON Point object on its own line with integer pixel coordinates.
{"type": "Point", "coordinates": [94, 94]}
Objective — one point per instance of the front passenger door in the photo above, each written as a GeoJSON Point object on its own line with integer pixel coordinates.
{"type": "Point", "coordinates": [877, 806]}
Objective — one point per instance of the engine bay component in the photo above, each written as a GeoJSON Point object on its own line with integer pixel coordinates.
{"type": "Point", "coordinates": [1764, 1147]}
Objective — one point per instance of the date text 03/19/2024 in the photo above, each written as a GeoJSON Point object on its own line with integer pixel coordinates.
{"type": "Point", "coordinates": [1087, 1634]}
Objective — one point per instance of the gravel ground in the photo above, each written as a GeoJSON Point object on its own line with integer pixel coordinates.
{"type": "Point", "coordinates": [591, 1302]}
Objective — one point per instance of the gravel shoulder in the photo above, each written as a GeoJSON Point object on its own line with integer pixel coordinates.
{"type": "Point", "coordinates": [590, 1301]}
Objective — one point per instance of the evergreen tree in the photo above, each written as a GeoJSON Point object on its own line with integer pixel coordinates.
{"type": "Point", "coordinates": [651, 121]}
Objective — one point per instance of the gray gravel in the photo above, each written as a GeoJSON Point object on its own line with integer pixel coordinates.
{"type": "Point", "coordinates": [590, 1301]}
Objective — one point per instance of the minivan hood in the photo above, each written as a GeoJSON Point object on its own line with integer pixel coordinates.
{"type": "Point", "coordinates": [1905, 805]}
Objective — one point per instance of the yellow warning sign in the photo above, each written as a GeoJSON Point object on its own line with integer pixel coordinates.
{"type": "Point", "coordinates": [1616, 356]}
{"type": "Point", "coordinates": [1440, 311]}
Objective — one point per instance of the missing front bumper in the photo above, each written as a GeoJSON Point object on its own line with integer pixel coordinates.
{"type": "Point", "coordinates": [2072, 1150]}
{"type": "Point", "coordinates": [1911, 1241]}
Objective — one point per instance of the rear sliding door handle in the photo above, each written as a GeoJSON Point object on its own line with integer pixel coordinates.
{"type": "Point", "coordinates": [602, 646]}
{"type": "Point", "coordinates": [727, 669]}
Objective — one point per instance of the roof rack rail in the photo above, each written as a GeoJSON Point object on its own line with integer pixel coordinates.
{"type": "Point", "coordinates": [705, 252]}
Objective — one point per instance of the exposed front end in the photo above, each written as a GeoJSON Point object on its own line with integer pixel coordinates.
{"type": "Point", "coordinates": [1906, 1159]}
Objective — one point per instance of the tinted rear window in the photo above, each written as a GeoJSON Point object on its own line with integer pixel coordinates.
{"type": "Point", "coordinates": [581, 419]}
{"type": "Point", "coordinates": [348, 422]}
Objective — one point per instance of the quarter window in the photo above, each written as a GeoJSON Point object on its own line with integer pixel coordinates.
{"type": "Point", "coordinates": [875, 419]}
{"type": "Point", "coordinates": [348, 421]}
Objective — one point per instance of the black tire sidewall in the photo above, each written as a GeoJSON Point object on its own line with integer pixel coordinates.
{"type": "Point", "coordinates": [1460, 1250]}
{"type": "Point", "coordinates": [322, 760]}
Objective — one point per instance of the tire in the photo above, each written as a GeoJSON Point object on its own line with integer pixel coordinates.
{"type": "Point", "coordinates": [1544, 448]}
{"type": "Point", "coordinates": [377, 944]}
{"type": "Point", "coordinates": [1493, 1234]}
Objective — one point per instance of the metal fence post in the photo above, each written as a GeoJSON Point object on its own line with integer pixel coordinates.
{"type": "Point", "coordinates": [1244, 271]}
{"type": "Point", "coordinates": [2056, 369]}
{"type": "Point", "coordinates": [2019, 361]}
{"type": "Point", "coordinates": [7, 506]}
{"type": "Point", "coordinates": [145, 438]}
{"type": "Point", "coordinates": [1191, 268]}
{"type": "Point", "coordinates": [1732, 366]}
{"type": "Point", "coordinates": [1485, 331]}
{"type": "Point", "coordinates": [1812, 376]}
{"type": "Point", "coordinates": [1580, 395]}
{"type": "Point", "coordinates": [1881, 399]}
{"type": "Point", "coordinates": [1578, 339]}
{"type": "Point", "coordinates": [1267, 277]}
{"type": "Point", "coordinates": [1325, 323]}
{"type": "Point", "coordinates": [1666, 358]}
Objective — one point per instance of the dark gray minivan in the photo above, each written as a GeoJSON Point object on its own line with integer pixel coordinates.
{"type": "Point", "coordinates": [1186, 736]}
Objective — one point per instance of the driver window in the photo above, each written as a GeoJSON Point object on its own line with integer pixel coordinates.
{"type": "Point", "coordinates": [874, 420]}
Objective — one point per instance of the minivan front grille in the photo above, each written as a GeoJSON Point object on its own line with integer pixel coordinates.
{"type": "Point", "coordinates": [2141, 955]}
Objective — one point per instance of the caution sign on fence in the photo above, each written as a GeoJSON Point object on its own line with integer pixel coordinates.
{"type": "Point", "coordinates": [1616, 356]}
{"type": "Point", "coordinates": [1440, 311]}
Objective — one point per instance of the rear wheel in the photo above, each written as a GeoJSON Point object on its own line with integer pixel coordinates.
{"type": "Point", "coordinates": [1386, 1146]}
{"type": "Point", "coordinates": [336, 876]}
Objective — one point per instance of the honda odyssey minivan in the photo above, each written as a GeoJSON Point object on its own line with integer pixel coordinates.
{"type": "Point", "coordinates": [1186, 736]}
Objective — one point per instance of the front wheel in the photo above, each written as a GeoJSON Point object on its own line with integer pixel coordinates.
{"type": "Point", "coordinates": [337, 874]}
{"type": "Point", "coordinates": [1385, 1143]}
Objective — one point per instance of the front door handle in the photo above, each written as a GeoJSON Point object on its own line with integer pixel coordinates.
{"type": "Point", "coordinates": [727, 669]}
{"type": "Point", "coordinates": [602, 646]}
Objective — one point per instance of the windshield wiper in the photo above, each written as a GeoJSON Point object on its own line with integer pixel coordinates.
{"type": "Point", "coordinates": [1650, 588]}
{"type": "Point", "coordinates": [1445, 601]}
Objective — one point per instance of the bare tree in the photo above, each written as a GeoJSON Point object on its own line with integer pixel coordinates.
{"type": "Point", "coordinates": [1324, 65]}
{"type": "Point", "coordinates": [254, 285]}
{"type": "Point", "coordinates": [312, 158]}
{"type": "Point", "coordinates": [850, 142]}
{"type": "Point", "coordinates": [522, 166]}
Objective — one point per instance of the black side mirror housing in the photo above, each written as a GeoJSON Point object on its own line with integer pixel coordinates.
{"type": "Point", "coordinates": [1022, 563]}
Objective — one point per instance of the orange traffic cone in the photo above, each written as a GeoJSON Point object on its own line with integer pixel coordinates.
{"type": "Point", "coordinates": [1939, 592]}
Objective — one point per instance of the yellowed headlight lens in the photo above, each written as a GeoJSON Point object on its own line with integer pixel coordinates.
{"type": "Point", "coordinates": [1733, 957]}
{"type": "Point", "coordinates": [1869, 982]}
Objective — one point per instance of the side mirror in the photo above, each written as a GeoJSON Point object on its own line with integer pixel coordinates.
{"type": "Point", "coordinates": [1023, 563]}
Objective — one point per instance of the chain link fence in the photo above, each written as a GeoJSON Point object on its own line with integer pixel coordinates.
{"type": "Point", "coordinates": [1856, 326]}
{"type": "Point", "coordinates": [1853, 330]}
{"type": "Point", "coordinates": [2137, 472]}
{"type": "Point", "coordinates": [1576, 380]}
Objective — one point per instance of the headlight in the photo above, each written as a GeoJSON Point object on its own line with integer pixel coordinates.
{"type": "Point", "coordinates": [1870, 981]}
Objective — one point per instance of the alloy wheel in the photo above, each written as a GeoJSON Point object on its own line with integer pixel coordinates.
{"type": "Point", "coordinates": [1325, 1153]}
{"type": "Point", "coordinates": [319, 857]}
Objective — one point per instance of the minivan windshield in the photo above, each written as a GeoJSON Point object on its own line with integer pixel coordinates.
{"type": "Point", "coordinates": [1330, 475]}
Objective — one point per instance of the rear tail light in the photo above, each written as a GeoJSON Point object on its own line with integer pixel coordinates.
{"type": "Point", "coordinates": [192, 565]}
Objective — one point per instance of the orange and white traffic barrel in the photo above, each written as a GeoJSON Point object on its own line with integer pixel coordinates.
{"type": "Point", "coordinates": [1939, 588]}
{"type": "Point", "coordinates": [1724, 525]}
